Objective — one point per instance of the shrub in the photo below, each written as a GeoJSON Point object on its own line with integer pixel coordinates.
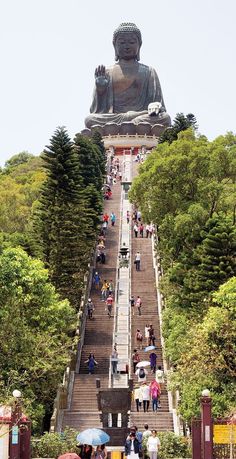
{"type": "Point", "coordinates": [53, 444]}
{"type": "Point", "coordinates": [172, 446]}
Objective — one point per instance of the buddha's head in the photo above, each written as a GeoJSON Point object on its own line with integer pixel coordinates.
{"type": "Point", "coordinates": [127, 41]}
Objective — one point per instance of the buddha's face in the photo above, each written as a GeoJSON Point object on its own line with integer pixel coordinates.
{"type": "Point", "coordinates": [127, 46]}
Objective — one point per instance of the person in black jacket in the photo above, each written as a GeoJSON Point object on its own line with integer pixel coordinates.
{"type": "Point", "coordinates": [132, 446]}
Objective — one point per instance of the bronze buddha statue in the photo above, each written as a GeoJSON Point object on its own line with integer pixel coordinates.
{"type": "Point", "coordinates": [127, 95]}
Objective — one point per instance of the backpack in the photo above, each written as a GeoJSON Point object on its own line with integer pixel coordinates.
{"type": "Point", "coordinates": [154, 392]}
{"type": "Point", "coordinates": [141, 373]}
{"type": "Point", "coordinates": [139, 336]}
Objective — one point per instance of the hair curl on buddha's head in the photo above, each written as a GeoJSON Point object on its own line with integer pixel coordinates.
{"type": "Point", "coordinates": [125, 27]}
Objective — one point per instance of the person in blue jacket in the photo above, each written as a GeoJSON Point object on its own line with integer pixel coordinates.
{"type": "Point", "coordinates": [132, 446]}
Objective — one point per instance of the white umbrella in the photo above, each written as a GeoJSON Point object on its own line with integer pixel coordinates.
{"type": "Point", "coordinates": [144, 363]}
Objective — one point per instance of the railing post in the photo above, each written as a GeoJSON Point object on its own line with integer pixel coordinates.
{"type": "Point", "coordinates": [207, 425]}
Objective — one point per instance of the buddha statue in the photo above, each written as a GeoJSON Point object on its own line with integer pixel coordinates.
{"type": "Point", "coordinates": [127, 98]}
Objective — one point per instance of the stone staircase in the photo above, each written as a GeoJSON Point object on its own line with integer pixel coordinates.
{"type": "Point", "coordinates": [83, 412]}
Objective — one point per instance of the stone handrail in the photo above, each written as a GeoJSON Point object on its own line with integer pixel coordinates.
{"type": "Point", "coordinates": [172, 396]}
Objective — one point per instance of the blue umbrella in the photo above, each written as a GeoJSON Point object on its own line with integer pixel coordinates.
{"type": "Point", "coordinates": [93, 437]}
{"type": "Point", "coordinates": [149, 348]}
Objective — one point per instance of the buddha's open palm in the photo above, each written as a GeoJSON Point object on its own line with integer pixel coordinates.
{"type": "Point", "coordinates": [101, 76]}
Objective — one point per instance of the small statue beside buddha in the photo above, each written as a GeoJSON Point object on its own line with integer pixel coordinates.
{"type": "Point", "coordinates": [127, 98]}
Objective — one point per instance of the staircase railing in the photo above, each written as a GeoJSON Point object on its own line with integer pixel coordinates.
{"type": "Point", "coordinates": [172, 396]}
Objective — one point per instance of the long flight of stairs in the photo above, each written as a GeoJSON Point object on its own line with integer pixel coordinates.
{"type": "Point", "coordinates": [83, 412]}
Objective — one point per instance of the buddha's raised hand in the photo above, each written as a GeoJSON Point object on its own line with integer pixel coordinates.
{"type": "Point", "coordinates": [101, 77]}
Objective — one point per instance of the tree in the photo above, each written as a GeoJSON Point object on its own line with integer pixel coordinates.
{"type": "Point", "coordinates": [20, 158]}
{"type": "Point", "coordinates": [63, 225]}
{"type": "Point", "coordinates": [34, 325]}
{"type": "Point", "coordinates": [90, 163]}
{"type": "Point", "coordinates": [14, 210]}
{"type": "Point", "coordinates": [181, 181]}
{"type": "Point", "coordinates": [217, 254]}
{"type": "Point", "coordinates": [187, 188]}
{"type": "Point", "coordinates": [209, 357]}
{"type": "Point", "coordinates": [180, 123]}
{"type": "Point", "coordinates": [19, 189]}
{"type": "Point", "coordinates": [97, 140]}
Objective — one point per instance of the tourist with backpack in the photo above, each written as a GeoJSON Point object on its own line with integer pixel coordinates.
{"type": "Point", "coordinates": [141, 373]}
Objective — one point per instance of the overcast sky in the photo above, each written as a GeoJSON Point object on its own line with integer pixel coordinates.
{"type": "Point", "coordinates": [50, 48]}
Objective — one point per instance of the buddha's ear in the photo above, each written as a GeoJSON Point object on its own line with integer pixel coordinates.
{"type": "Point", "coordinates": [138, 55]}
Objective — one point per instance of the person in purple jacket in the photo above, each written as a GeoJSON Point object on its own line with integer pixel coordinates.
{"type": "Point", "coordinates": [153, 361]}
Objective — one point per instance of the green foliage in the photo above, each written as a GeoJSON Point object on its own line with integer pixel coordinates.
{"type": "Point", "coordinates": [90, 162]}
{"type": "Point", "coordinates": [51, 445]}
{"type": "Point", "coordinates": [20, 158]}
{"type": "Point", "coordinates": [19, 189]}
{"type": "Point", "coordinates": [188, 189]}
{"type": "Point", "coordinates": [101, 152]}
{"type": "Point", "coordinates": [209, 361]}
{"type": "Point", "coordinates": [180, 123]}
{"type": "Point", "coordinates": [65, 220]}
{"type": "Point", "coordinates": [173, 446]}
{"type": "Point", "coordinates": [226, 295]}
{"type": "Point", "coordinates": [34, 325]}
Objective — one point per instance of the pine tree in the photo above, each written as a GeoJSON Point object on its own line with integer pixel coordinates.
{"type": "Point", "coordinates": [180, 123]}
{"type": "Point", "coordinates": [89, 162]}
{"type": "Point", "coordinates": [97, 140]}
{"type": "Point", "coordinates": [63, 225]}
{"type": "Point", "coordinates": [218, 257]}
{"type": "Point", "coordinates": [213, 262]}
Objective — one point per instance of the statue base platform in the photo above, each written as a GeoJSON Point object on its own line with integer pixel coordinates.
{"type": "Point", "coordinates": [126, 144]}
